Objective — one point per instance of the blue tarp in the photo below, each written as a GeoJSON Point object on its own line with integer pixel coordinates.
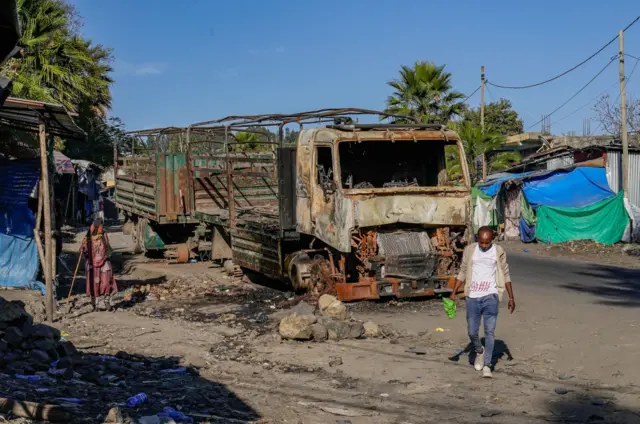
{"type": "Point", "coordinates": [527, 231]}
{"type": "Point", "coordinates": [572, 189]}
{"type": "Point", "coordinates": [19, 262]}
{"type": "Point", "coordinates": [493, 187]}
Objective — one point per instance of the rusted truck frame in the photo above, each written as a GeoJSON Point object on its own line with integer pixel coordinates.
{"type": "Point", "coordinates": [402, 239]}
{"type": "Point", "coordinates": [364, 210]}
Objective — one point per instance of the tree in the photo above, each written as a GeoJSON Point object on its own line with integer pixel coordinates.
{"type": "Point", "coordinates": [499, 118]}
{"type": "Point", "coordinates": [58, 65]}
{"type": "Point", "coordinates": [476, 143]}
{"type": "Point", "coordinates": [608, 115]}
{"type": "Point", "coordinates": [425, 93]}
{"type": "Point", "coordinates": [291, 136]}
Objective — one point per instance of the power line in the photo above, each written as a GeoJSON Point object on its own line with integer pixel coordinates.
{"type": "Point", "coordinates": [578, 92]}
{"type": "Point", "coordinates": [521, 87]}
{"type": "Point", "coordinates": [627, 79]}
{"type": "Point", "coordinates": [491, 95]}
{"type": "Point", "coordinates": [470, 95]}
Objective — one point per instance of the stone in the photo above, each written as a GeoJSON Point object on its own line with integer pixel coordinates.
{"type": "Point", "coordinates": [10, 311]}
{"type": "Point", "coordinates": [294, 327]}
{"type": "Point", "coordinates": [13, 336]}
{"type": "Point", "coordinates": [371, 329]}
{"type": "Point", "coordinates": [45, 344]}
{"type": "Point", "coordinates": [319, 332]}
{"type": "Point", "coordinates": [303, 308]}
{"type": "Point", "coordinates": [39, 356]}
{"type": "Point", "coordinates": [114, 416]}
{"type": "Point", "coordinates": [45, 332]}
{"type": "Point", "coordinates": [330, 306]}
{"type": "Point", "coordinates": [66, 362]}
{"type": "Point", "coordinates": [340, 330]}
{"type": "Point", "coordinates": [335, 361]}
{"type": "Point", "coordinates": [123, 355]}
{"type": "Point", "coordinates": [67, 349]}
{"type": "Point", "coordinates": [561, 390]}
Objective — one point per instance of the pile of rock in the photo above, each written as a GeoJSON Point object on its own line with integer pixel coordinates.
{"type": "Point", "coordinates": [25, 347]}
{"type": "Point", "coordinates": [330, 321]}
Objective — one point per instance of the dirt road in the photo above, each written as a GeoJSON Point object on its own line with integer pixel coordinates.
{"type": "Point", "coordinates": [566, 355]}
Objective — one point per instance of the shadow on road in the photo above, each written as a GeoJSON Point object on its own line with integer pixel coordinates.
{"type": "Point", "coordinates": [615, 286]}
{"type": "Point", "coordinates": [575, 407]}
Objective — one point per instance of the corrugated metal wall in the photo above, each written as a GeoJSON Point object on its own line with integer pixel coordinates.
{"type": "Point", "coordinates": [560, 162]}
{"type": "Point", "coordinates": [614, 174]}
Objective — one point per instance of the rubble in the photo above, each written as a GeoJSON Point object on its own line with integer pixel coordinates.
{"type": "Point", "coordinates": [330, 306]}
{"type": "Point", "coordinates": [295, 327]}
{"type": "Point", "coordinates": [371, 329]}
{"type": "Point", "coordinates": [48, 379]}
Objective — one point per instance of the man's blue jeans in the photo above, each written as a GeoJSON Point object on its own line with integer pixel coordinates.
{"type": "Point", "coordinates": [483, 307]}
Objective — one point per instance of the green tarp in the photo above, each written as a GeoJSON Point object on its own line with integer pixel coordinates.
{"type": "Point", "coordinates": [604, 222]}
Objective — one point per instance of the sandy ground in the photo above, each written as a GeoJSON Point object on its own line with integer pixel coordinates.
{"type": "Point", "coordinates": [575, 332]}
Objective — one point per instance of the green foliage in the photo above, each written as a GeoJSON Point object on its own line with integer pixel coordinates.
{"type": "Point", "coordinates": [476, 143]}
{"type": "Point", "coordinates": [59, 65]}
{"type": "Point", "coordinates": [499, 118]}
{"type": "Point", "coordinates": [291, 136]}
{"type": "Point", "coordinates": [424, 92]}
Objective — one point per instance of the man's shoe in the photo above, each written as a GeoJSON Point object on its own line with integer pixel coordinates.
{"type": "Point", "coordinates": [486, 372]}
{"type": "Point", "coordinates": [479, 362]}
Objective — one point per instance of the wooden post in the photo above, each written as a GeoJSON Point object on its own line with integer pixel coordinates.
{"type": "Point", "coordinates": [36, 231]}
{"type": "Point", "coordinates": [623, 120]}
{"type": "Point", "coordinates": [46, 202]}
{"type": "Point", "coordinates": [482, 98]}
{"type": "Point", "coordinates": [52, 200]}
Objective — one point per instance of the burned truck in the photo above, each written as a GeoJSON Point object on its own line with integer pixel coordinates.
{"type": "Point", "coordinates": [363, 210]}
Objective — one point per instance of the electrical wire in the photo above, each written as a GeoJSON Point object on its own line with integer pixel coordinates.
{"type": "Point", "coordinates": [521, 87]}
{"type": "Point", "coordinates": [470, 95]}
{"type": "Point", "coordinates": [601, 93]}
{"type": "Point", "coordinates": [574, 96]}
{"type": "Point", "coordinates": [491, 95]}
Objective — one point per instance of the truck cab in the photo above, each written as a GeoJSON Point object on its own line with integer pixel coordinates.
{"type": "Point", "coordinates": [378, 197]}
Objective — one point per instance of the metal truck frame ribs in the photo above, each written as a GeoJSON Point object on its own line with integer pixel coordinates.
{"type": "Point", "coordinates": [364, 210]}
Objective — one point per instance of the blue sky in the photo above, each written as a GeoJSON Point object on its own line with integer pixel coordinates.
{"type": "Point", "coordinates": [180, 63]}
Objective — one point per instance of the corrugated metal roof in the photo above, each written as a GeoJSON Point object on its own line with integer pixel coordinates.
{"type": "Point", "coordinates": [25, 115]}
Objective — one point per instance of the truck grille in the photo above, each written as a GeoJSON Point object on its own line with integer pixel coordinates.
{"type": "Point", "coordinates": [407, 254]}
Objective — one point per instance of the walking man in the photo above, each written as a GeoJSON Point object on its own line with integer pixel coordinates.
{"type": "Point", "coordinates": [485, 271]}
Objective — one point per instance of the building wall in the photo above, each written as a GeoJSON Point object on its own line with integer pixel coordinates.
{"type": "Point", "coordinates": [614, 174]}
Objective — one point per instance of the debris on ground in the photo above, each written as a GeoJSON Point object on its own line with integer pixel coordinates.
{"type": "Point", "coordinates": [49, 379]}
{"type": "Point", "coordinates": [332, 322]}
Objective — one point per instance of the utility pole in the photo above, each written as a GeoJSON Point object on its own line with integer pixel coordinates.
{"type": "Point", "coordinates": [484, 156]}
{"type": "Point", "coordinates": [623, 120]}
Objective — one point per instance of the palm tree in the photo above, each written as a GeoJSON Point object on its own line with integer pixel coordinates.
{"type": "Point", "coordinates": [58, 65]}
{"type": "Point", "coordinates": [425, 93]}
{"type": "Point", "coordinates": [476, 143]}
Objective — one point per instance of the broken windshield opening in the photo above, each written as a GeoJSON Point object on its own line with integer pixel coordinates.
{"type": "Point", "coordinates": [384, 164]}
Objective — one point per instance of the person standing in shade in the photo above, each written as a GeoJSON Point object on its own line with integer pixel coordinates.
{"type": "Point", "coordinates": [485, 273]}
{"type": "Point", "coordinates": [101, 285]}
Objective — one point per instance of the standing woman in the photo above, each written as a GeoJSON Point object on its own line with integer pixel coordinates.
{"type": "Point", "coordinates": [100, 280]}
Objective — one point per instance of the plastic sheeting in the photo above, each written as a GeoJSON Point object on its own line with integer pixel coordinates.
{"type": "Point", "coordinates": [527, 231]}
{"type": "Point", "coordinates": [632, 232]}
{"type": "Point", "coordinates": [561, 224]}
{"type": "Point", "coordinates": [493, 187]}
{"type": "Point", "coordinates": [577, 188]}
{"type": "Point", "coordinates": [19, 262]}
